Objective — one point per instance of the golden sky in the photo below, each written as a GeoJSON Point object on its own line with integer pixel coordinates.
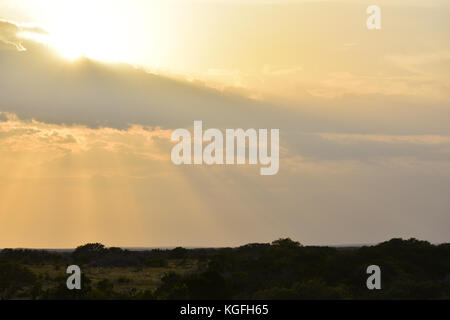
{"type": "Point", "coordinates": [90, 92]}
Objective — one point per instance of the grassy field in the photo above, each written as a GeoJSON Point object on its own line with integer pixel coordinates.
{"type": "Point", "coordinates": [124, 278]}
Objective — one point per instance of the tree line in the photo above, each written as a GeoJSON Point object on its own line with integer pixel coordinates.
{"type": "Point", "coordinates": [283, 269]}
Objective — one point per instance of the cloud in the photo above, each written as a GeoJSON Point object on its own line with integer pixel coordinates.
{"type": "Point", "coordinates": [431, 64]}
{"type": "Point", "coordinates": [370, 149]}
{"type": "Point", "coordinates": [50, 141]}
{"type": "Point", "coordinates": [10, 33]}
{"type": "Point", "coordinates": [390, 139]}
{"type": "Point", "coordinates": [115, 95]}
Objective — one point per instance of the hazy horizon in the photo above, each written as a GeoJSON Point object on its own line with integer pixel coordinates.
{"type": "Point", "coordinates": [139, 248]}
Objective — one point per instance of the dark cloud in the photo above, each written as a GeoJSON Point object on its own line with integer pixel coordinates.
{"type": "Point", "coordinates": [37, 83]}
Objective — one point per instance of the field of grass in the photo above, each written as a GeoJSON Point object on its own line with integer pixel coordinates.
{"type": "Point", "coordinates": [123, 278]}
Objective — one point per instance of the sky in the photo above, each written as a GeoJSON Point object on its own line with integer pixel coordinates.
{"type": "Point", "coordinates": [90, 92]}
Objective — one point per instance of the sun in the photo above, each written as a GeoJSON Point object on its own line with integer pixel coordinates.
{"type": "Point", "coordinates": [75, 42]}
{"type": "Point", "coordinates": [109, 31]}
{"type": "Point", "coordinates": [67, 47]}
{"type": "Point", "coordinates": [83, 29]}
{"type": "Point", "coordinates": [88, 40]}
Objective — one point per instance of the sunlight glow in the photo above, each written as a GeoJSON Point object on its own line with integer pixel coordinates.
{"type": "Point", "coordinates": [84, 29]}
{"type": "Point", "coordinates": [90, 39]}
